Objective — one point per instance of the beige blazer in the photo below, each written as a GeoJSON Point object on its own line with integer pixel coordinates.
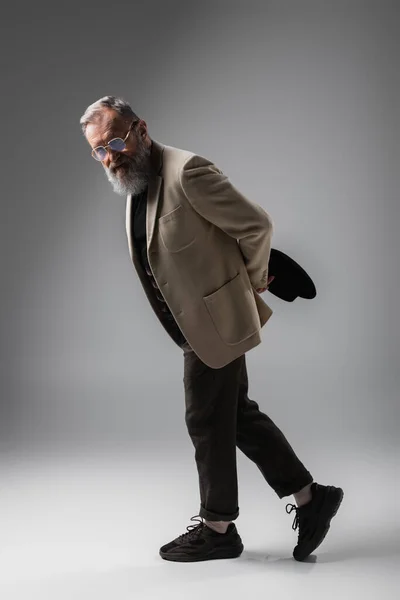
{"type": "Point", "coordinates": [208, 248]}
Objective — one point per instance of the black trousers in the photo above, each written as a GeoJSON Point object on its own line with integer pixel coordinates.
{"type": "Point", "coordinates": [220, 417]}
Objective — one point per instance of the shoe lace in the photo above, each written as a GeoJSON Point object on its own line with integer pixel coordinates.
{"type": "Point", "coordinates": [192, 530]}
{"type": "Point", "coordinates": [289, 509]}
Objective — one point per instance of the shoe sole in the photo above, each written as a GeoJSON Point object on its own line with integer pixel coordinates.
{"type": "Point", "coordinates": [331, 506]}
{"type": "Point", "coordinates": [216, 554]}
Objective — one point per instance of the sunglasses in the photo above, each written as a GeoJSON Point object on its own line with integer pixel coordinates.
{"type": "Point", "coordinates": [116, 144]}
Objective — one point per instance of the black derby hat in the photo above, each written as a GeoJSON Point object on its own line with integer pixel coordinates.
{"type": "Point", "coordinates": [290, 279]}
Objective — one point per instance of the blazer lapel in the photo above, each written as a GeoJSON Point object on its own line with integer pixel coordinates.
{"type": "Point", "coordinates": [152, 203]}
{"type": "Point", "coordinates": [153, 195]}
{"type": "Point", "coordinates": [128, 224]}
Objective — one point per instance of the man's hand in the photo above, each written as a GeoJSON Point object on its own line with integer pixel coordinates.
{"type": "Point", "coordinates": [270, 279]}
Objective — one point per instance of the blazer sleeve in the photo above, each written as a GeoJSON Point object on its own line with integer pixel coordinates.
{"type": "Point", "coordinates": [213, 197]}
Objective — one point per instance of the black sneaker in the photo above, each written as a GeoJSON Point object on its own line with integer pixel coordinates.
{"type": "Point", "coordinates": [314, 518]}
{"type": "Point", "coordinates": [202, 543]}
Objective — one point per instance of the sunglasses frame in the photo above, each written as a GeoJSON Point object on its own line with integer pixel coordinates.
{"type": "Point", "coordinates": [113, 140]}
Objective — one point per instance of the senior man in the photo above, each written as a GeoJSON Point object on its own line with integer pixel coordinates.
{"type": "Point", "coordinates": [201, 251]}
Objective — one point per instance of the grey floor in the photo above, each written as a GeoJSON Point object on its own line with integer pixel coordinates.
{"type": "Point", "coordinates": [89, 525]}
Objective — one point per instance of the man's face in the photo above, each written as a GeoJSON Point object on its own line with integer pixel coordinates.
{"type": "Point", "coordinates": [128, 170]}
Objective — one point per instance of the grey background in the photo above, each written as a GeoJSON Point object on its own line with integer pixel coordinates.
{"type": "Point", "coordinates": [298, 102]}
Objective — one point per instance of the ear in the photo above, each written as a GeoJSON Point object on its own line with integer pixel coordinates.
{"type": "Point", "coordinates": [142, 129]}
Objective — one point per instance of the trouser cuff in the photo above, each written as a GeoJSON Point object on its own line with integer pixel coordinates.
{"type": "Point", "coordinates": [294, 487]}
{"type": "Point", "coordinates": [215, 516]}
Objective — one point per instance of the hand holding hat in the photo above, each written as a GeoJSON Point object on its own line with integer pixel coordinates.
{"type": "Point", "coordinates": [270, 280]}
{"type": "Point", "coordinates": [287, 279]}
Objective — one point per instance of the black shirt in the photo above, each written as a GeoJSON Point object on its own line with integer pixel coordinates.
{"type": "Point", "coordinates": [138, 224]}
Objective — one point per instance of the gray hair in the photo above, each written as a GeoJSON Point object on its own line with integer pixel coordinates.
{"type": "Point", "coordinates": [93, 112]}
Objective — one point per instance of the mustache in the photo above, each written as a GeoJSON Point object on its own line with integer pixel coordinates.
{"type": "Point", "coordinates": [118, 164]}
{"type": "Point", "coordinates": [132, 163]}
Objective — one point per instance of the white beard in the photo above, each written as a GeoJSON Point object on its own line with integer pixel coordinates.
{"type": "Point", "coordinates": [134, 177]}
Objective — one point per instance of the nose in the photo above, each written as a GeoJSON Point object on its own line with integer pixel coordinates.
{"type": "Point", "coordinates": [111, 156]}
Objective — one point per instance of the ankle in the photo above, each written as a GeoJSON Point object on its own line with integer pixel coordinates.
{"type": "Point", "coordinates": [303, 496]}
{"type": "Point", "coordinates": [218, 526]}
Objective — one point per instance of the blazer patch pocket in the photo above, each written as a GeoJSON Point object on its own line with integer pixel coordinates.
{"type": "Point", "coordinates": [176, 230]}
{"type": "Point", "coordinates": [233, 311]}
